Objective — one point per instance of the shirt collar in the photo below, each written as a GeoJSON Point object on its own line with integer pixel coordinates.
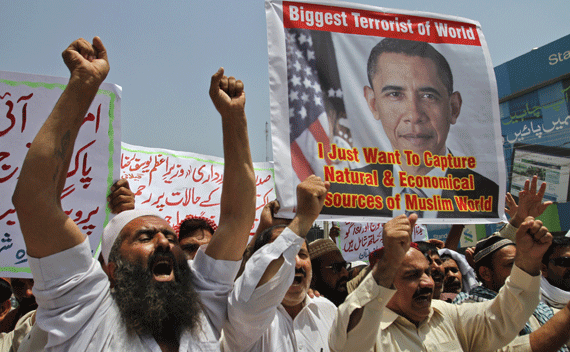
{"type": "Point", "coordinates": [389, 317]}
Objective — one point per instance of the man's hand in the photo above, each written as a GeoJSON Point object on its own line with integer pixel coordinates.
{"type": "Point", "coordinates": [469, 254]}
{"type": "Point", "coordinates": [530, 202]}
{"type": "Point", "coordinates": [532, 241]}
{"type": "Point", "coordinates": [438, 243]}
{"type": "Point", "coordinates": [511, 205]}
{"type": "Point", "coordinates": [311, 195]}
{"type": "Point", "coordinates": [227, 93]}
{"type": "Point", "coordinates": [397, 236]}
{"type": "Point", "coordinates": [87, 62]}
{"type": "Point", "coordinates": [121, 197]}
{"type": "Point", "coordinates": [267, 219]}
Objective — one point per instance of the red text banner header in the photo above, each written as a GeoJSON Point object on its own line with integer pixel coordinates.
{"type": "Point", "coordinates": [379, 24]}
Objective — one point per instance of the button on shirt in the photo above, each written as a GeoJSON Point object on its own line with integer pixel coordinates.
{"type": "Point", "coordinates": [484, 326]}
{"type": "Point", "coordinates": [256, 319]}
{"type": "Point", "coordinates": [78, 312]}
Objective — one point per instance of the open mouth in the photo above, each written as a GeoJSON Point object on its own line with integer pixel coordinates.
{"type": "Point", "coordinates": [423, 299]}
{"type": "Point", "coordinates": [298, 279]}
{"type": "Point", "coordinates": [162, 269]}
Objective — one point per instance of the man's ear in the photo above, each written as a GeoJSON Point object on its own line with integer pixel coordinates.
{"type": "Point", "coordinates": [455, 102]}
{"type": "Point", "coordinates": [485, 274]}
{"type": "Point", "coordinates": [371, 101]}
{"type": "Point", "coordinates": [110, 271]}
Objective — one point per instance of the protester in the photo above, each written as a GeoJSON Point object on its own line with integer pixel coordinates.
{"type": "Point", "coordinates": [555, 281]}
{"type": "Point", "coordinates": [406, 318]}
{"type": "Point", "coordinates": [330, 270]}
{"type": "Point", "coordinates": [5, 304]}
{"type": "Point", "coordinates": [494, 258]}
{"type": "Point", "coordinates": [334, 233]}
{"type": "Point", "coordinates": [28, 335]}
{"type": "Point", "coordinates": [157, 300]}
{"type": "Point", "coordinates": [269, 308]}
{"type": "Point", "coordinates": [468, 278]}
{"type": "Point", "coordinates": [193, 232]}
{"type": "Point", "coordinates": [12, 341]}
{"type": "Point", "coordinates": [452, 280]}
{"type": "Point", "coordinates": [22, 290]}
{"type": "Point", "coordinates": [430, 251]}
{"type": "Point", "coordinates": [554, 285]}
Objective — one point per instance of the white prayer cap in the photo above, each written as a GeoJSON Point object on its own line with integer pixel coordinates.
{"type": "Point", "coordinates": [115, 226]}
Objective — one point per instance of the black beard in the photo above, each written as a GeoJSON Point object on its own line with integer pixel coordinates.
{"type": "Point", "coordinates": [27, 305]}
{"type": "Point", "coordinates": [156, 308]}
{"type": "Point", "coordinates": [336, 296]}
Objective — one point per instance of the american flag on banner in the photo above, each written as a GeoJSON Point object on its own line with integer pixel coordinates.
{"type": "Point", "coordinates": [308, 122]}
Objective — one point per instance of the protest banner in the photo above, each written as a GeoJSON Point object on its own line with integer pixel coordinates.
{"type": "Point", "coordinates": [25, 103]}
{"type": "Point", "coordinates": [176, 184]}
{"type": "Point", "coordinates": [397, 109]}
{"type": "Point", "coordinates": [357, 240]}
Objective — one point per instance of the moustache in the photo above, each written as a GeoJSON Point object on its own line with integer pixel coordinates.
{"type": "Point", "coordinates": [161, 254]}
{"type": "Point", "coordinates": [301, 271]}
{"type": "Point", "coordinates": [423, 291]}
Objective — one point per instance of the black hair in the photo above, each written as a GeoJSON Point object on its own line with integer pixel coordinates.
{"type": "Point", "coordinates": [410, 48]}
{"type": "Point", "coordinates": [557, 242]}
{"type": "Point", "coordinates": [265, 237]}
{"type": "Point", "coordinates": [190, 225]}
{"type": "Point", "coordinates": [5, 291]}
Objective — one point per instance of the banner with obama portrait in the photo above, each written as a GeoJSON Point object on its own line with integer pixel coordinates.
{"type": "Point", "coordinates": [397, 109]}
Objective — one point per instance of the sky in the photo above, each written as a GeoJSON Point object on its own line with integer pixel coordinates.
{"type": "Point", "coordinates": [163, 54]}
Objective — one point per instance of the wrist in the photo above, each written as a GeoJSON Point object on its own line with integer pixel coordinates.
{"type": "Point", "coordinates": [301, 225]}
{"type": "Point", "coordinates": [516, 221]}
{"type": "Point", "coordinates": [528, 265]}
{"type": "Point", "coordinates": [82, 86]}
{"type": "Point", "coordinates": [384, 272]}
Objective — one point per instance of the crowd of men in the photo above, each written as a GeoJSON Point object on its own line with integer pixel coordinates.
{"type": "Point", "coordinates": [201, 287]}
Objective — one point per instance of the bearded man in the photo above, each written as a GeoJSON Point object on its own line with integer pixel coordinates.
{"type": "Point", "coordinates": [148, 298]}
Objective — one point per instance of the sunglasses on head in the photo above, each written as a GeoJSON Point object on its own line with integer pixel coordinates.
{"type": "Point", "coordinates": [337, 267]}
{"type": "Point", "coordinates": [561, 261]}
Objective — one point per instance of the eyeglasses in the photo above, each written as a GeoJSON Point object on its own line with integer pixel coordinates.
{"type": "Point", "coordinates": [337, 267]}
{"type": "Point", "coordinates": [561, 261]}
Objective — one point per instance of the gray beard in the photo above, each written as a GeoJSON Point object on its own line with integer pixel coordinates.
{"type": "Point", "coordinates": [156, 308]}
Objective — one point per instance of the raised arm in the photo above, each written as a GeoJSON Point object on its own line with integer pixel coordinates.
{"type": "Point", "coordinates": [46, 228]}
{"type": "Point", "coordinates": [397, 238]}
{"type": "Point", "coordinates": [269, 273]}
{"type": "Point", "coordinates": [532, 241]}
{"type": "Point", "coordinates": [505, 315]}
{"type": "Point", "coordinates": [358, 319]}
{"type": "Point", "coordinates": [311, 195]}
{"type": "Point", "coordinates": [237, 209]}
